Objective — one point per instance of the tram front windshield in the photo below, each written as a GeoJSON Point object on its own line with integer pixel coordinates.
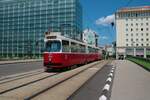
{"type": "Point", "coordinates": [53, 46]}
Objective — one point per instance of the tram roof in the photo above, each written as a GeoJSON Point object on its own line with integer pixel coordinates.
{"type": "Point", "coordinates": [57, 35]}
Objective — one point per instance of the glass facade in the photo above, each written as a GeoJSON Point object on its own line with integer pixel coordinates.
{"type": "Point", "coordinates": [23, 23]}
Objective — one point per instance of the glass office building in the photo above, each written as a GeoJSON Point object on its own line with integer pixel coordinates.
{"type": "Point", "coordinates": [23, 23]}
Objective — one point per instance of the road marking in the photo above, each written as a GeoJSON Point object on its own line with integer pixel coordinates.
{"type": "Point", "coordinates": [113, 66]}
{"type": "Point", "coordinates": [106, 87]}
{"type": "Point", "coordinates": [112, 71]}
{"type": "Point", "coordinates": [103, 97]}
{"type": "Point", "coordinates": [109, 79]}
{"type": "Point", "coordinates": [110, 75]}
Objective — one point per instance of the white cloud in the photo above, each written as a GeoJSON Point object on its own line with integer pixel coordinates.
{"type": "Point", "coordinates": [103, 37]}
{"type": "Point", "coordinates": [105, 21]}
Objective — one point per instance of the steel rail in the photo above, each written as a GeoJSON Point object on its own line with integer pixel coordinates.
{"type": "Point", "coordinates": [46, 89]}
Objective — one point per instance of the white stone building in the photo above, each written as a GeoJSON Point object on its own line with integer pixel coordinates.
{"type": "Point", "coordinates": [133, 31]}
{"type": "Point", "coordinates": [109, 49]}
{"type": "Point", "coordinates": [90, 37]}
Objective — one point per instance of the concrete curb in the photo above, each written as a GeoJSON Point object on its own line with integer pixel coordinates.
{"type": "Point", "coordinates": [19, 61]}
{"type": "Point", "coordinates": [106, 92]}
{"type": "Point", "coordinates": [75, 92]}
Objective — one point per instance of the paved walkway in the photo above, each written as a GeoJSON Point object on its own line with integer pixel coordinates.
{"type": "Point", "coordinates": [131, 82]}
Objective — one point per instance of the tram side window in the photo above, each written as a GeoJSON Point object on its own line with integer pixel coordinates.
{"type": "Point", "coordinates": [82, 49]}
{"type": "Point", "coordinates": [65, 46]}
{"type": "Point", "coordinates": [74, 47]}
{"type": "Point", "coordinates": [92, 50]}
{"type": "Point", "coordinates": [99, 51]}
{"type": "Point", "coordinates": [96, 50]}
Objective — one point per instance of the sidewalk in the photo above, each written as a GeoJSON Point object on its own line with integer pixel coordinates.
{"type": "Point", "coordinates": [131, 82]}
{"type": "Point", "coordinates": [19, 61]}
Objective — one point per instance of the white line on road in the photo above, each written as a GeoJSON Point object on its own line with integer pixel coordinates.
{"type": "Point", "coordinates": [103, 97]}
{"type": "Point", "coordinates": [112, 71]}
{"type": "Point", "coordinates": [113, 66]}
{"type": "Point", "coordinates": [109, 79]}
{"type": "Point", "coordinates": [110, 75]}
{"type": "Point", "coordinates": [106, 87]}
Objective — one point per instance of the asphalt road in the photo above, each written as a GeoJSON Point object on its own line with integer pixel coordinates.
{"type": "Point", "coordinates": [10, 69]}
{"type": "Point", "coordinates": [92, 89]}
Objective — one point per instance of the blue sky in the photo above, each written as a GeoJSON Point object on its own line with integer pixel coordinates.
{"type": "Point", "coordinates": [101, 9]}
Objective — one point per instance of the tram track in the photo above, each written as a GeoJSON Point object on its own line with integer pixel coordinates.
{"type": "Point", "coordinates": [29, 90]}
{"type": "Point", "coordinates": [42, 91]}
{"type": "Point", "coordinates": [20, 76]}
{"type": "Point", "coordinates": [48, 92]}
{"type": "Point", "coordinates": [18, 83]}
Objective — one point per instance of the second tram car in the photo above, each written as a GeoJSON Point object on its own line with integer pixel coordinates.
{"type": "Point", "coordinates": [61, 52]}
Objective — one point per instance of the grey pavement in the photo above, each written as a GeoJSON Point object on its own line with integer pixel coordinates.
{"type": "Point", "coordinates": [15, 68]}
{"type": "Point", "coordinates": [131, 82]}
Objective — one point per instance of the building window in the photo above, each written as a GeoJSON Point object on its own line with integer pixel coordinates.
{"type": "Point", "coordinates": [147, 24]}
{"type": "Point", "coordinates": [141, 24]}
{"type": "Point", "coordinates": [131, 29]}
{"type": "Point", "coordinates": [136, 14]}
{"type": "Point", "coordinates": [131, 24]}
{"type": "Point", "coordinates": [141, 34]}
{"type": "Point", "coordinates": [147, 39]}
{"type": "Point", "coordinates": [126, 34]}
{"type": "Point", "coordinates": [137, 44]}
{"type": "Point", "coordinates": [127, 40]}
{"type": "Point", "coordinates": [147, 29]}
{"type": "Point", "coordinates": [141, 39]}
{"type": "Point", "coordinates": [136, 29]}
{"type": "Point", "coordinates": [137, 39]}
{"type": "Point", "coordinates": [142, 44]}
{"type": "Point", "coordinates": [126, 24]}
{"type": "Point", "coordinates": [131, 34]}
{"type": "Point", "coordinates": [141, 29]}
{"type": "Point", "coordinates": [126, 19]}
{"type": "Point", "coordinates": [147, 44]}
{"type": "Point", "coordinates": [146, 34]}
{"type": "Point", "coordinates": [136, 24]}
{"type": "Point", "coordinates": [131, 39]}
{"type": "Point", "coordinates": [126, 29]}
{"type": "Point", "coordinates": [126, 44]}
{"type": "Point", "coordinates": [136, 34]}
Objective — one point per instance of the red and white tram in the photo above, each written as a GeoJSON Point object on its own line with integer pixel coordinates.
{"type": "Point", "coordinates": [61, 52]}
